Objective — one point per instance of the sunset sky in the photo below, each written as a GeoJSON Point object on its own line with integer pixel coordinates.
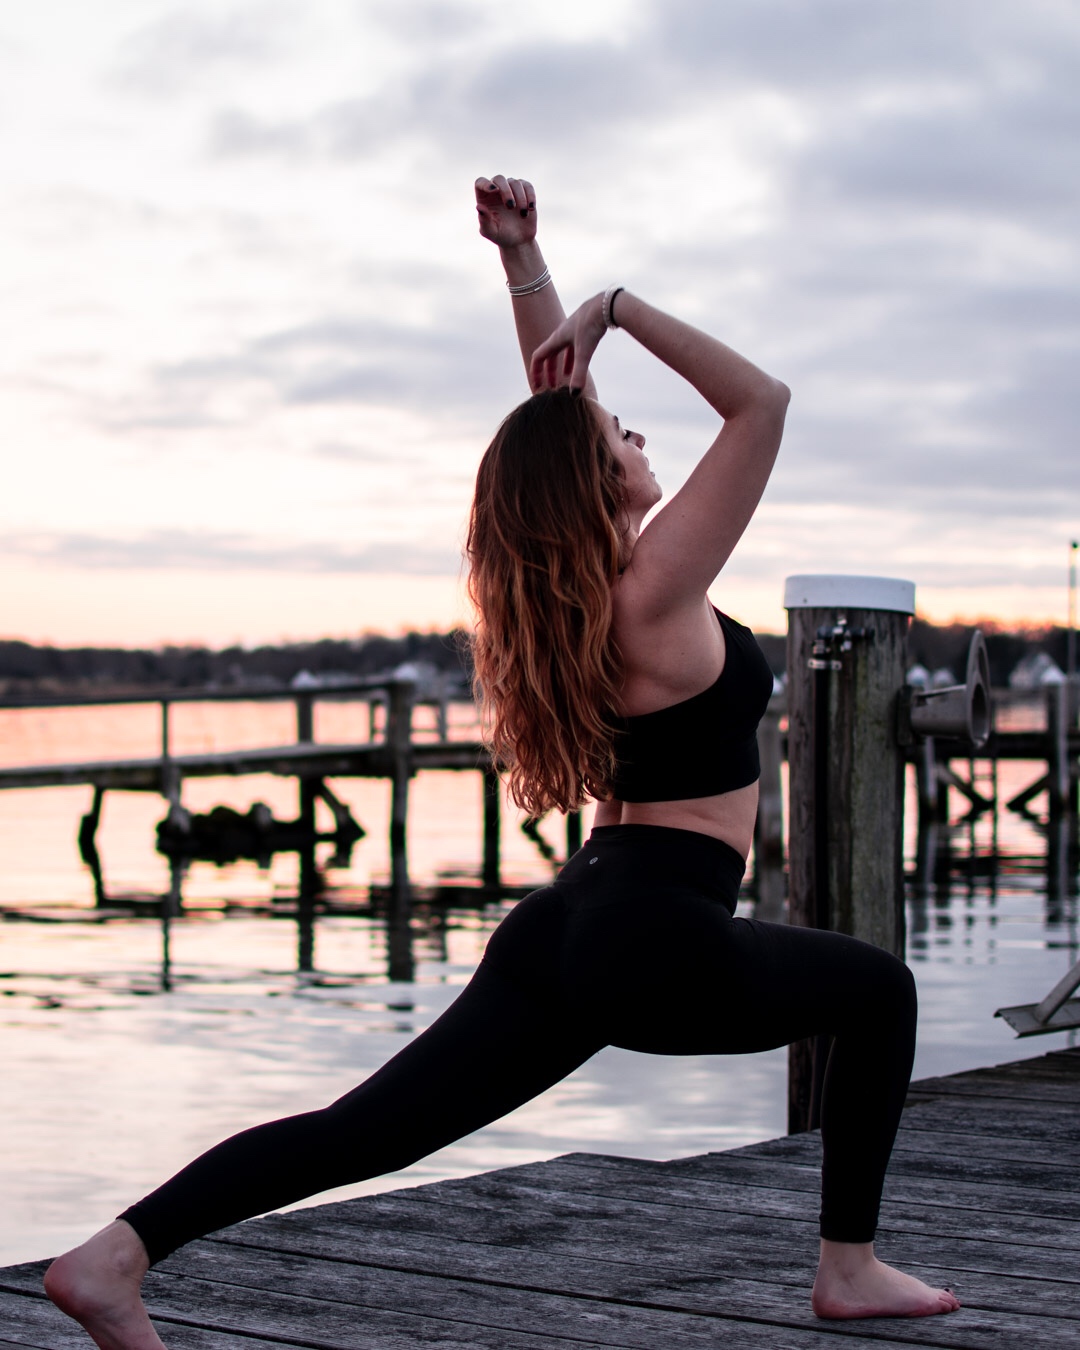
{"type": "Point", "coordinates": [253, 344]}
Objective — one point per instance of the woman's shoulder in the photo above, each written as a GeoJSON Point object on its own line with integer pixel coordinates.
{"type": "Point", "coordinates": [669, 650]}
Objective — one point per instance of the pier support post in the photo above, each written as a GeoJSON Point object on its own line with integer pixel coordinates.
{"type": "Point", "coordinates": [1057, 752]}
{"type": "Point", "coordinates": [933, 794]}
{"type": "Point", "coordinates": [400, 697]}
{"type": "Point", "coordinates": [309, 875]}
{"type": "Point", "coordinates": [769, 826]}
{"type": "Point", "coordinates": [88, 825]}
{"type": "Point", "coordinates": [847, 655]}
{"type": "Point", "coordinates": [399, 738]}
{"type": "Point", "coordinates": [306, 897]}
{"type": "Point", "coordinates": [305, 717]}
{"type": "Point", "coordinates": [492, 793]}
{"type": "Point", "coordinates": [573, 832]}
{"type": "Point", "coordinates": [88, 850]}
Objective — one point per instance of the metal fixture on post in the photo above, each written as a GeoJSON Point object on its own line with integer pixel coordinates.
{"type": "Point", "coordinates": [961, 712]}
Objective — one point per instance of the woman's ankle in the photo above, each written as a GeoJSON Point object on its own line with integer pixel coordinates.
{"type": "Point", "coordinates": [845, 1258]}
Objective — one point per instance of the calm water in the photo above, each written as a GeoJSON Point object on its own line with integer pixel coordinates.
{"type": "Point", "coordinates": [112, 1081]}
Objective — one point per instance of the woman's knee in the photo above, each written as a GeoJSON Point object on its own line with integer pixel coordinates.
{"type": "Point", "coordinates": [892, 985]}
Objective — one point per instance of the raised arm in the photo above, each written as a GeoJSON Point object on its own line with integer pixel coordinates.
{"type": "Point", "coordinates": [507, 211]}
{"type": "Point", "coordinates": [684, 546]}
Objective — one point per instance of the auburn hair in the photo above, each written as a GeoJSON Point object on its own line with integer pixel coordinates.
{"type": "Point", "coordinates": [544, 551]}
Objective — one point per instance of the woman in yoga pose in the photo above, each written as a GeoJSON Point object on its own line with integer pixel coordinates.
{"type": "Point", "coordinates": [604, 672]}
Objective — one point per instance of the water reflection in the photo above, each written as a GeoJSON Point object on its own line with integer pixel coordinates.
{"type": "Point", "coordinates": [285, 1001]}
{"type": "Point", "coordinates": [954, 881]}
{"type": "Point", "coordinates": [407, 914]}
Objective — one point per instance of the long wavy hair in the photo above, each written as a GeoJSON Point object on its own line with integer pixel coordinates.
{"type": "Point", "coordinates": [544, 551]}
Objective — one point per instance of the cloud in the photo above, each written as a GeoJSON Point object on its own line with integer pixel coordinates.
{"type": "Point", "coordinates": [187, 48]}
{"type": "Point", "coordinates": [355, 454]}
{"type": "Point", "coordinates": [508, 97]}
{"type": "Point", "coordinates": [876, 201]}
{"type": "Point", "coordinates": [237, 134]}
{"type": "Point", "coordinates": [209, 551]}
{"type": "Point", "coordinates": [831, 48]}
{"type": "Point", "coordinates": [428, 367]}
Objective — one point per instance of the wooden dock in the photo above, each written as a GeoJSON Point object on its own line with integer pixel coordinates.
{"type": "Point", "coordinates": [396, 751]}
{"type": "Point", "coordinates": [590, 1251]}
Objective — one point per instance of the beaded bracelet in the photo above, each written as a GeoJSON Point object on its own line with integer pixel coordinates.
{"type": "Point", "coordinates": [609, 300]}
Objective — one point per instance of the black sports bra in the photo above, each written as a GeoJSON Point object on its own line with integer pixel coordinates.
{"type": "Point", "coordinates": [705, 744]}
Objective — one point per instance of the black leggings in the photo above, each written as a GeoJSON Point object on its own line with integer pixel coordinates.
{"type": "Point", "coordinates": [633, 945]}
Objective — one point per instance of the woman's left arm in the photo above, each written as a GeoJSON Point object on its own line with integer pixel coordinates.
{"type": "Point", "coordinates": [507, 211]}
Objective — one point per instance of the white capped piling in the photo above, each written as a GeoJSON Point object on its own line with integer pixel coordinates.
{"type": "Point", "coordinates": [846, 659]}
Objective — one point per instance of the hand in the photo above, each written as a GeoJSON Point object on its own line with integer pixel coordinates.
{"type": "Point", "coordinates": [507, 210]}
{"type": "Point", "coordinates": [564, 357]}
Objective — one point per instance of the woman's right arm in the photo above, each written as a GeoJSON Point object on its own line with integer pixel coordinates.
{"type": "Point", "coordinates": [684, 546]}
{"type": "Point", "coordinates": [507, 211]}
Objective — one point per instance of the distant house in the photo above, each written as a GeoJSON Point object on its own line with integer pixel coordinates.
{"type": "Point", "coordinates": [1035, 671]}
{"type": "Point", "coordinates": [921, 678]}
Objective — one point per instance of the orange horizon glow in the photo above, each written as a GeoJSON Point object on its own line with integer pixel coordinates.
{"type": "Point", "coordinates": [159, 608]}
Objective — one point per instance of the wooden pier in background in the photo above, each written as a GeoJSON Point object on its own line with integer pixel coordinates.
{"type": "Point", "coordinates": [590, 1251]}
{"type": "Point", "coordinates": [395, 751]}
{"type": "Point", "coordinates": [1056, 745]}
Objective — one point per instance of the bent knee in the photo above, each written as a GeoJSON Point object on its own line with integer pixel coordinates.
{"type": "Point", "coordinates": [894, 984]}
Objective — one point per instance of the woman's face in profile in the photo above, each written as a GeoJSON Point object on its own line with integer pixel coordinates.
{"type": "Point", "coordinates": [628, 447]}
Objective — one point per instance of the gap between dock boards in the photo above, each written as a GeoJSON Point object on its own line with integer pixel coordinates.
{"type": "Point", "coordinates": [586, 1250]}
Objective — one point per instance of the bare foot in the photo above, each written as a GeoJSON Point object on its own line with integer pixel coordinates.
{"type": "Point", "coordinates": [98, 1285]}
{"type": "Point", "coordinates": [852, 1282]}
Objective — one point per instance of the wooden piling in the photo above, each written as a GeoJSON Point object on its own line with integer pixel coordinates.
{"type": "Point", "coordinates": [305, 717]}
{"type": "Point", "coordinates": [492, 793]}
{"type": "Point", "coordinates": [847, 654]}
{"type": "Point", "coordinates": [933, 794]}
{"type": "Point", "coordinates": [769, 827]}
{"type": "Point", "coordinates": [399, 740]}
{"type": "Point", "coordinates": [573, 832]}
{"type": "Point", "coordinates": [1057, 732]}
{"type": "Point", "coordinates": [308, 789]}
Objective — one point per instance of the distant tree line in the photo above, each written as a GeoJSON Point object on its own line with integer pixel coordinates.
{"type": "Point", "coordinates": [26, 668]}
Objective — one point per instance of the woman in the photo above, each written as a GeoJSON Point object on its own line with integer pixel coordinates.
{"type": "Point", "coordinates": [604, 671]}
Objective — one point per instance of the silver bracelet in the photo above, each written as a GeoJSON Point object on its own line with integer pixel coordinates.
{"type": "Point", "coordinates": [531, 287]}
{"type": "Point", "coordinates": [609, 300]}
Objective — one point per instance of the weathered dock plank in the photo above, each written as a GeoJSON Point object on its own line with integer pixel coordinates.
{"type": "Point", "coordinates": [304, 759]}
{"type": "Point", "coordinates": [588, 1250]}
{"type": "Point", "coordinates": [917, 1190]}
{"type": "Point", "coordinates": [341, 1307]}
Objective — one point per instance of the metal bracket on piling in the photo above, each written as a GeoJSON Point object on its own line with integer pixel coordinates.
{"type": "Point", "coordinates": [961, 712]}
{"type": "Point", "coordinates": [833, 641]}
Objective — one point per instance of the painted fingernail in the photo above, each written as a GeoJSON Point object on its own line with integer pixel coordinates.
{"type": "Point", "coordinates": [524, 212]}
{"type": "Point", "coordinates": [532, 206]}
{"type": "Point", "coordinates": [510, 202]}
{"type": "Point", "coordinates": [574, 392]}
